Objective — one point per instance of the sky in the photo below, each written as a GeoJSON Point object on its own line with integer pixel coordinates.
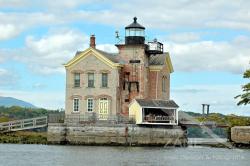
{"type": "Point", "coordinates": [208, 41]}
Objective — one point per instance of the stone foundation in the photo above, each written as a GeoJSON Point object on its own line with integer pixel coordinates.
{"type": "Point", "coordinates": [118, 134]}
{"type": "Point", "coordinates": [240, 134]}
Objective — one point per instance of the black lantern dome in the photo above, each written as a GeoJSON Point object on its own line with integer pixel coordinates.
{"type": "Point", "coordinates": [134, 33]}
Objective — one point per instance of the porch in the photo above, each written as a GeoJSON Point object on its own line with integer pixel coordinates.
{"type": "Point", "coordinates": [159, 116]}
{"type": "Point", "coordinates": [154, 112]}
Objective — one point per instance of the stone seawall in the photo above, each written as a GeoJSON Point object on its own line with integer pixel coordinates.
{"type": "Point", "coordinates": [119, 134]}
{"type": "Point", "coordinates": [240, 134]}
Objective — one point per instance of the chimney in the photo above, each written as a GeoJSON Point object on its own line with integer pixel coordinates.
{"type": "Point", "coordinates": [92, 41]}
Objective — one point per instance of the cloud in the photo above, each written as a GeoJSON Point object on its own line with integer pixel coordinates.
{"type": "Point", "coordinates": [39, 85]}
{"type": "Point", "coordinates": [23, 4]}
{"type": "Point", "coordinates": [14, 23]}
{"type": "Point", "coordinates": [161, 14]}
{"type": "Point", "coordinates": [167, 14]}
{"type": "Point", "coordinates": [7, 78]}
{"type": "Point", "coordinates": [3, 55]}
{"type": "Point", "coordinates": [229, 56]}
{"type": "Point", "coordinates": [107, 48]}
{"type": "Point", "coordinates": [59, 4]}
{"type": "Point", "coordinates": [46, 55]}
{"type": "Point", "coordinates": [184, 37]}
{"type": "Point", "coordinates": [8, 31]}
{"type": "Point", "coordinates": [13, 3]}
{"type": "Point", "coordinates": [220, 97]}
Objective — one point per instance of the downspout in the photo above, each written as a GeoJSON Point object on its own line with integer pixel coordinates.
{"type": "Point", "coordinates": [177, 118]}
{"type": "Point", "coordinates": [156, 89]}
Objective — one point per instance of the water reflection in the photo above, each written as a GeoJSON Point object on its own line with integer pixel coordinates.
{"type": "Point", "coordinates": [40, 155]}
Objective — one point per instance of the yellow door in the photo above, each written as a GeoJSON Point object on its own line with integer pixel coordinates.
{"type": "Point", "coordinates": [103, 109]}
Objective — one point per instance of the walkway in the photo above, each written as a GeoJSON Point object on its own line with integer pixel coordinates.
{"type": "Point", "coordinates": [24, 124]}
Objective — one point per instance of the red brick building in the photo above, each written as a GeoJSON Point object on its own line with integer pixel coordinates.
{"type": "Point", "coordinates": [146, 68]}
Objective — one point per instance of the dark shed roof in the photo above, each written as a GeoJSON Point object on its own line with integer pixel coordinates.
{"type": "Point", "coordinates": [158, 59]}
{"type": "Point", "coordinates": [157, 103]}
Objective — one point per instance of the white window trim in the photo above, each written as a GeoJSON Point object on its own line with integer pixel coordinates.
{"type": "Point", "coordinates": [74, 104]}
{"type": "Point", "coordinates": [89, 79]}
{"type": "Point", "coordinates": [92, 105]}
{"type": "Point", "coordinates": [106, 80]}
{"type": "Point", "coordinates": [75, 80]}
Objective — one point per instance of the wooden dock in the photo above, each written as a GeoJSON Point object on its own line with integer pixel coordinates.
{"type": "Point", "coordinates": [24, 124]}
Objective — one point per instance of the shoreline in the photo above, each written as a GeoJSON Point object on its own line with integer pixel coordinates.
{"type": "Point", "coordinates": [24, 137]}
{"type": "Point", "coordinates": [40, 138]}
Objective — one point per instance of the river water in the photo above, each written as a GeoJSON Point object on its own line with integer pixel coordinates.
{"type": "Point", "coordinates": [50, 155]}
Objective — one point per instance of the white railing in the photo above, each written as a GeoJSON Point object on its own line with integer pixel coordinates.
{"type": "Point", "coordinates": [96, 118]}
{"type": "Point", "coordinates": [24, 124]}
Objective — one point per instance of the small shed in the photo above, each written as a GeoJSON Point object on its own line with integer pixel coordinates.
{"type": "Point", "coordinates": [154, 112]}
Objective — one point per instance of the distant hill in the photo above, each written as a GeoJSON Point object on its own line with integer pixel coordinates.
{"type": "Point", "coordinates": [10, 101]}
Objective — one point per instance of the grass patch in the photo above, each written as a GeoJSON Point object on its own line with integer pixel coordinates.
{"type": "Point", "coordinates": [24, 137]}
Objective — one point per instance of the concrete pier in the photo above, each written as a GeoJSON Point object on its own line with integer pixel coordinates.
{"type": "Point", "coordinates": [240, 135]}
{"type": "Point", "coordinates": [118, 134]}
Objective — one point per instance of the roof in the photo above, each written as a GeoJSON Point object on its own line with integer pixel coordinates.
{"type": "Point", "coordinates": [156, 103]}
{"type": "Point", "coordinates": [115, 60]}
{"type": "Point", "coordinates": [113, 57]}
{"type": "Point", "coordinates": [158, 59]}
{"type": "Point", "coordinates": [108, 58]}
{"type": "Point", "coordinates": [135, 25]}
{"type": "Point", "coordinates": [161, 59]}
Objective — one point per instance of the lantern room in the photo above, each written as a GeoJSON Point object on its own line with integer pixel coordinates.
{"type": "Point", "coordinates": [134, 33]}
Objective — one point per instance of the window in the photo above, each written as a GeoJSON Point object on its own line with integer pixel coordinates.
{"type": "Point", "coordinates": [104, 79]}
{"type": "Point", "coordinates": [164, 83]}
{"type": "Point", "coordinates": [76, 105]}
{"type": "Point", "coordinates": [76, 79]}
{"type": "Point", "coordinates": [91, 80]}
{"type": "Point", "coordinates": [90, 104]}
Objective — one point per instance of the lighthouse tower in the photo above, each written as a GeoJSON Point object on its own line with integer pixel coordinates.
{"type": "Point", "coordinates": [134, 77]}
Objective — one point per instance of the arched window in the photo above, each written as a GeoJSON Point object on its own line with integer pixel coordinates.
{"type": "Point", "coordinates": [164, 83]}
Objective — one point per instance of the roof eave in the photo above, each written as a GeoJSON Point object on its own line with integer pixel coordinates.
{"type": "Point", "coordinates": [169, 63]}
{"type": "Point", "coordinates": [155, 67]}
{"type": "Point", "coordinates": [84, 53]}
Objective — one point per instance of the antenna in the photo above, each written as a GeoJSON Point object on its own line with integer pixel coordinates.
{"type": "Point", "coordinates": [117, 36]}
